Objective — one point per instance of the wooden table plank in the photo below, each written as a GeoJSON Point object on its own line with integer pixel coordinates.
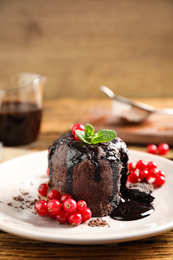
{"type": "Point", "coordinates": [159, 247]}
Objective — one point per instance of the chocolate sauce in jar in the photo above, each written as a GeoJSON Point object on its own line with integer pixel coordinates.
{"type": "Point", "coordinates": [132, 209]}
{"type": "Point", "coordinates": [19, 123]}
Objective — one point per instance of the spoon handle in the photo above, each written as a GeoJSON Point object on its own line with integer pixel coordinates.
{"type": "Point", "coordinates": [166, 111]}
{"type": "Point", "coordinates": [107, 91]}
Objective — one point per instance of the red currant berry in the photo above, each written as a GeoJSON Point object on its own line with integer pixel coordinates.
{"type": "Point", "coordinates": [131, 166]}
{"type": "Point", "coordinates": [65, 197]}
{"type": "Point", "coordinates": [42, 189]}
{"type": "Point", "coordinates": [77, 127]}
{"type": "Point", "coordinates": [141, 165]}
{"type": "Point", "coordinates": [151, 165]}
{"type": "Point", "coordinates": [75, 219]}
{"type": "Point", "coordinates": [151, 148]}
{"type": "Point", "coordinates": [69, 205]}
{"type": "Point", "coordinates": [159, 181]}
{"type": "Point", "coordinates": [54, 206]}
{"type": "Point", "coordinates": [163, 148]}
{"type": "Point", "coordinates": [51, 216]}
{"type": "Point", "coordinates": [153, 173]}
{"type": "Point", "coordinates": [86, 214]}
{"type": "Point", "coordinates": [62, 217]}
{"type": "Point", "coordinates": [40, 207]}
{"type": "Point", "coordinates": [54, 194]}
{"type": "Point", "coordinates": [133, 177]}
{"type": "Point", "coordinates": [143, 174]}
{"type": "Point", "coordinates": [161, 173]}
{"type": "Point", "coordinates": [81, 205]}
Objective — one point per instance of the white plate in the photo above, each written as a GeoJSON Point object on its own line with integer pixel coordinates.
{"type": "Point", "coordinates": [27, 172]}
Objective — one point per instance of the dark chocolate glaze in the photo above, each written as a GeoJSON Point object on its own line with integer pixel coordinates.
{"type": "Point", "coordinates": [136, 202]}
{"type": "Point", "coordinates": [95, 173]}
{"type": "Point", "coordinates": [132, 209]}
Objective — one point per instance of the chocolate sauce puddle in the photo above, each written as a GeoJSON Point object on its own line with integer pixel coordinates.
{"type": "Point", "coordinates": [132, 209]}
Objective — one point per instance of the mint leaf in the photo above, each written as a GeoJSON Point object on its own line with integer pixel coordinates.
{"type": "Point", "coordinates": [88, 136]}
{"type": "Point", "coordinates": [89, 131]}
{"type": "Point", "coordinates": [104, 135]}
{"type": "Point", "coordinates": [81, 135]}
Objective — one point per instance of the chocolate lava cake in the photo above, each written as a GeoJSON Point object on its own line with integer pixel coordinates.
{"type": "Point", "coordinates": [94, 173]}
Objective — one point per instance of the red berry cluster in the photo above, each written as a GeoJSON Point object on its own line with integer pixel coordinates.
{"type": "Point", "coordinates": [77, 127]}
{"type": "Point", "coordinates": [62, 208]}
{"type": "Point", "coordinates": [143, 171]}
{"type": "Point", "coordinates": [161, 149]}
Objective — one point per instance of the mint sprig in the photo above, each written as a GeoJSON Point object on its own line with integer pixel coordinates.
{"type": "Point", "coordinates": [88, 136]}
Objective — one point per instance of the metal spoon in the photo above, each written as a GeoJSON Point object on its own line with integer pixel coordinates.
{"type": "Point", "coordinates": [131, 111]}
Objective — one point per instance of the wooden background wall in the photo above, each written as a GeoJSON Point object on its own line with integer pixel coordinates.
{"type": "Point", "coordinates": [126, 45]}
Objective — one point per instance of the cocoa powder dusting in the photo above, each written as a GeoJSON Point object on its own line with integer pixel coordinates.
{"type": "Point", "coordinates": [99, 222]}
{"type": "Point", "coordinates": [23, 201]}
{"type": "Point", "coordinates": [18, 198]}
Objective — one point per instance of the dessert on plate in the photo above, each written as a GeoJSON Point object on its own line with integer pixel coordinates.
{"type": "Point", "coordinates": [93, 168]}
{"type": "Point", "coordinates": [89, 175]}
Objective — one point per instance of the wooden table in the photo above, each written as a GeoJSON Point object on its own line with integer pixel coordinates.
{"type": "Point", "coordinates": [58, 117]}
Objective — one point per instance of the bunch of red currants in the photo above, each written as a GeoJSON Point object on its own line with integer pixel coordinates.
{"type": "Point", "coordinates": [148, 172]}
{"type": "Point", "coordinates": [62, 208]}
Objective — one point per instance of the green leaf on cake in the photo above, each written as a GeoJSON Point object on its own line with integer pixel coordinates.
{"type": "Point", "coordinates": [88, 136]}
{"type": "Point", "coordinates": [81, 135]}
{"type": "Point", "coordinates": [89, 132]}
{"type": "Point", "coordinates": [104, 135]}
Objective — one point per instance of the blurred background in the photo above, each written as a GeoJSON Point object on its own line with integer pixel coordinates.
{"type": "Point", "coordinates": [79, 45]}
